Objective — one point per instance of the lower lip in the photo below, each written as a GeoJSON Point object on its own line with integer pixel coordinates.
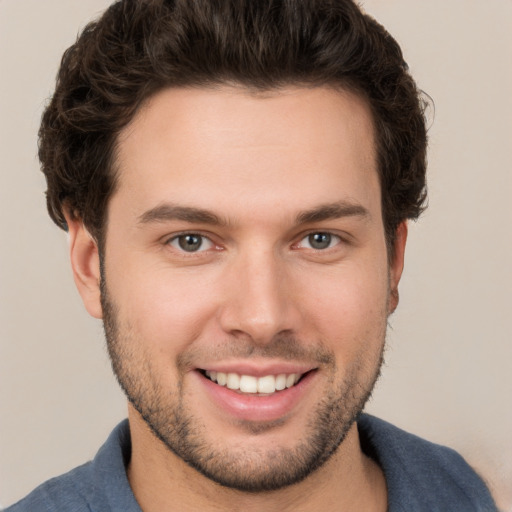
{"type": "Point", "coordinates": [257, 408]}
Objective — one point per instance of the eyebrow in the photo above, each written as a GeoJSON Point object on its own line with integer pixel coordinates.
{"type": "Point", "coordinates": [335, 210]}
{"type": "Point", "coordinates": [168, 212]}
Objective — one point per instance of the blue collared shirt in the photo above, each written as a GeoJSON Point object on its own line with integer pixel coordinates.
{"type": "Point", "coordinates": [420, 476]}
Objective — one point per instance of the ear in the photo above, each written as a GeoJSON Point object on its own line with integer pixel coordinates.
{"type": "Point", "coordinates": [397, 264]}
{"type": "Point", "coordinates": [85, 263]}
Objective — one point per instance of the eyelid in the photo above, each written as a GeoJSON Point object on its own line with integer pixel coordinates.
{"type": "Point", "coordinates": [335, 240]}
{"type": "Point", "coordinates": [341, 237]}
{"type": "Point", "coordinates": [205, 237]}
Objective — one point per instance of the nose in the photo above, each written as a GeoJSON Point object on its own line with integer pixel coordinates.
{"type": "Point", "coordinates": [259, 302]}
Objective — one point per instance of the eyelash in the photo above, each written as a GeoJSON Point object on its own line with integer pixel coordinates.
{"type": "Point", "coordinates": [176, 240]}
{"type": "Point", "coordinates": [331, 237]}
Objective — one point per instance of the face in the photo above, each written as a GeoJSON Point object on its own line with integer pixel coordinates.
{"type": "Point", "coordinates": [245, 284]}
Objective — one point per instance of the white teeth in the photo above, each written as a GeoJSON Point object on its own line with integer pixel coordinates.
{"type": "Point", "coordinates": [249, 384]}
{"type": "Point", "coordinates": [266, 384]}
{"type": "Point", "coordinates": [233, 381]}
{"type": "Point", "coordinates": [280, 382]}
{"type": "Point", "coordinates": [290, 380]}
{"type": "Point", "coordinates": [221, 378]}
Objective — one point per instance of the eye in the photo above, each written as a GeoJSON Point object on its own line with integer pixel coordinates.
{"type": "Point", "coordinates": [319, 241]}
{"type": "Point", "coordinates": [191, 242]}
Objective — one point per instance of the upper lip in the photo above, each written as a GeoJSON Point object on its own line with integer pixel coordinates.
{"type": "Point", "coordinates": [258, 370]}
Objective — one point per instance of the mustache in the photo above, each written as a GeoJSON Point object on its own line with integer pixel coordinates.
{"type": "Point", "coordinates": [283, 346]}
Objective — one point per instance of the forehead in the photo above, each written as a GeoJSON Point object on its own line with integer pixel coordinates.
{"type": "Point", "coordinates": [208, 144]}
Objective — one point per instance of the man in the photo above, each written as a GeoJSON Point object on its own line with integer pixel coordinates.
{"type": "Point", "coordinates": [236, 178]}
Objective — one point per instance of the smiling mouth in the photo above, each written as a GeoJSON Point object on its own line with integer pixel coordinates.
{"type": "Point", "coordinates": [266, 385]}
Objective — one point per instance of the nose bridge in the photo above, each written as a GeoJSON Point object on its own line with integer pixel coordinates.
{"type": "Point", "coordinates": [259, 303]}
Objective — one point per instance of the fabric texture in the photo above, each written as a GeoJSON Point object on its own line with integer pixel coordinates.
{"type": "Point", "coordinates": [421, 476]}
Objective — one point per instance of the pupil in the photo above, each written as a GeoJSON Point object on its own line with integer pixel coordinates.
{"type": "Point", "coordinates": [320, 240]}
{"type": "Point", "coordinates": [190, 243]}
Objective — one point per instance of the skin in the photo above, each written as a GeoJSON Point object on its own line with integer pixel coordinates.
{"type": "Point", "coordinates": [256, 296]}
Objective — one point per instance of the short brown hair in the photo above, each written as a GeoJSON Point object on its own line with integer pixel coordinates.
{"type": "Point", "coordinates": [139, 47]}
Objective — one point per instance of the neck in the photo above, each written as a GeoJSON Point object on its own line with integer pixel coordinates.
{"type": "Point", "coordinates": [161, 481]}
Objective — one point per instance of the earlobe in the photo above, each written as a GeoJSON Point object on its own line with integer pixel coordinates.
{"type": "Point", "coordinates": [397, 265]}
{"type": "Point", "coordinates": [85, 263]}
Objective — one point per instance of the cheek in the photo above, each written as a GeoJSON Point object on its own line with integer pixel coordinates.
{"type": "Point", "coordinates": [166, 307]}
{"type": "Point", "coordinates": [348, 305]}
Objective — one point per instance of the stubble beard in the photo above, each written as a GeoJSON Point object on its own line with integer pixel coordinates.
{"type": "Point", "coordinates": [165, 412]}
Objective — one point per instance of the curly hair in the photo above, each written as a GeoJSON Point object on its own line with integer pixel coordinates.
{"type": "Point", "coordinates": [139, 47]}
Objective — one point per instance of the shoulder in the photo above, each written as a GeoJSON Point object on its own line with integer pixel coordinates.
{"type": "Point", "coordinates": [101, 484]}
{"type": "Point", "coordinates": [67, 492]}
{"type": "Point", "coordinates": [422, 475]}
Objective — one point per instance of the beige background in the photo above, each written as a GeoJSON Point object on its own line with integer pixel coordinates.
{"type": "Point", "coordinates": [448, 375]}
